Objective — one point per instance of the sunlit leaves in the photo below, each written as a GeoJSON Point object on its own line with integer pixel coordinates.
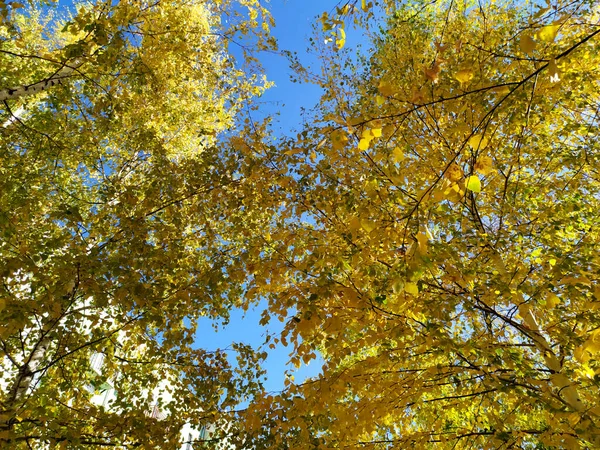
{"type": "Point", "coordinates": [411, 288]}
{"type": "Point", "coordinates": [455, 254]}
{"type": "Point", "coordinates": [367, 136]}
{"type": "Point", "coordinates": [473, 183]}
{"type": "Point", "coordinates": [123, 222]}
{"type": "Point", "coordinates": [548, 33]}
{"type": "Point", "coordinates": [464, 76]}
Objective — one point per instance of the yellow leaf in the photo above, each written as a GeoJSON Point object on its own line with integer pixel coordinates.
{"type": "Point", "coordinates": [376, 132]}
{"type": "Point", "coordinates": [293, 151]}
{"type": "Point", "coordinates": [364, 144]}
{"type": "Point", "coordinates": [552, 300]}
{"type": "Point", "coordinates": [571, 396]}
{"type": "Point", "coordinates": [364, 6]}
{"type": "Point", "coordinates": [354, 224]}
{"type": "Point", "coordinates": [501, 90]}
{"type": "Point", "coordinates": [527, 43]}
{"type": "Point", "coordinates": [581, 355]}
{"type": "Point", "coordinates": [411, 288]}
{"type": "Point", "coordinates": [385, 88]}
{"type": "Point", "coordinates": [438, 195]}
{"type": "Point", "coordinates": [498, 263]}
{"type": "Point", "coordinates": [464, 75]}
{"type": "Point", "coordinates": [548, 33]}
{"type": "Point", "coordinates": [398, 285]}
{"type": "Point", "coordinates": [483, 165]}
{"type": "Point", "coordinates": [478, 142]}
{"type": "Point", "coordinates": [380, 100]}
{"type": "Point", "coordinates": [397, 155]}
{"type": "Point", "coordinates": [560, 380]}
{"type": "Point", "coordinates": [473, 183]}
{"type": "Point", "coordinates": [570, 443]}
{"type": "Point", "coordinates": [368, 225]}
{"type": "Point", "coordinates": [341, 41]}
{"type": "Point", "coordinates": [454, 172]}
{"type": "Point", "coordinates": [422, 242]}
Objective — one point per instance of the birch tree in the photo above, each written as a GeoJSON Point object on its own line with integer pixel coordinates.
{"type": "Point", "coordinates": [124, 210]}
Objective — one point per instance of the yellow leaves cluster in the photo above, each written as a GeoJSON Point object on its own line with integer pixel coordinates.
{"type": "Point", "coordinates": [367, 136]}
{"type": "Point", "coordinates": [407, 298]}
{"type": "Point", "coordinates": [590, 348]}
{"type": "Point", "coordinates": [334, 27]}
{"type": "Point", "coordinates": [339, 139]}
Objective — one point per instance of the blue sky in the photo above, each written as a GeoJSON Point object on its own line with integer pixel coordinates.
{"type": "Point", "coordinates": [294, 26]}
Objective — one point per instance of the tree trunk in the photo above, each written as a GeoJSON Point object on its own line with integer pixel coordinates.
{"type": "Point", "coordinates": [19, 91]}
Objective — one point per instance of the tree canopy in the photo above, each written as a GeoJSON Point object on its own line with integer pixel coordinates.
{"type": "Point", "coordinates": [448, 273]}
{"type": "Point", "coordinates": [431, 232]}
{"type": "Point", "coordinates": [124, 215]}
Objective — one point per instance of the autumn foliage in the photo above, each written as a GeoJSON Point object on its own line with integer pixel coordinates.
{"type": "Point", "coordinates": [448, 274]}
{"type": "Point", "coordinates": [432, 233]}
{"type": "Point", "coordinates": [120, 217]}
